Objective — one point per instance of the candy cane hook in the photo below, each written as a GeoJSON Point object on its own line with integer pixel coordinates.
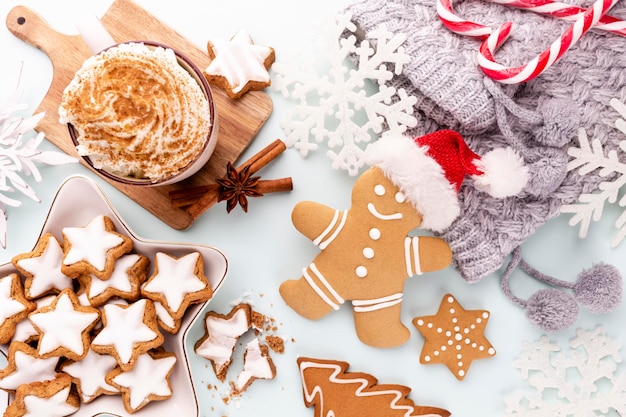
{"type": "Point", "coordinates": [515, 75]}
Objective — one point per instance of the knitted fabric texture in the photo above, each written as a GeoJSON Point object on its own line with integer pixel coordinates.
{"type": "Point", "coordinates": [539, 118]}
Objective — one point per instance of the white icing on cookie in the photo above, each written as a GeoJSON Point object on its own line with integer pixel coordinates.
{"type": "Point", "coordinates": [45, 270]}
{"type": "Point", "coordinates": [239, 60]}
{"type": "Point", "coordinates": [118, 280]}
{"type": "Point", "coordinates": [222, 337]}
{"type": "Point", "coordinates": [9, 306]}
{"type": "Point", "coordinates": [24, 329]}
{"type": "Point", "coordinates": [255, 365]}
{"type": "Point", "coordinates": [175, 279]}
{"type": "Point", "coordinates": [29, 369]}
{"type": "Point", "coordinates": [124, 327]}
{"type": "Point", "coordinates": [90, 243]}
{"type": "Point", "coordinates": [90, 372]}
{"type": "Point", "coordinates": [63, 326]}
{"type": "Point", "coordinates": [148, 377]}
{"type": "Point", "coordinates": [53, 406]}
{"type": "Point", "coordinates": [164, 316]}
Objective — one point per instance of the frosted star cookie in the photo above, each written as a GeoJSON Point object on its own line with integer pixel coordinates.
{"type": "Point", "coordinates": [454, 336]}
{"type": "Point", "coordinates": [14, 307]}
{"type": "Point", "coordinates": [64, 327]}
{"type": "Point", "coordinates": [129, 272]}
{"type": "Point", "coordinates": [93, 249]}
{"type": "Point", "coordinates": [24, 331]}
{"type": "Point", "coordinates": [89, 375]}
{"type": "Point", "coordinates": [147, 381]}
{"type": "Point", "coordinates": [257, 364]}
{"type": "Point", "coordinates": [24, 366]}
{"type": "Point", "coordinates": [327, 385]}
{"type": "Point", "coordinates": [238, 65]}
{"type": "Point", "coordinates": [127, 332]}
{"type": "Point", "coordinates": [177, 282]}
{"type": "Point", "coordinates": [53, 398]}
{"type": "Point", "coordinates": [41, 268]}
{"type": "Point", "coordinates": [221, 333]}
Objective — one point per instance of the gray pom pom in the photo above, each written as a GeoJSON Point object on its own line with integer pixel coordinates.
{"type": "Point", "coordinates": [547, 172]}
{"type": "Point", "coordinates": [561, 120]}
{"type": "Point", "coordinates": [599, 288]}
{"type": "Point", "coordinates": [551, 309]}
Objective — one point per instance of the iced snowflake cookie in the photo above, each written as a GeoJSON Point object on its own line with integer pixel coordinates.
{"type": "Point", "coordinates": [454, 336]}
{"type": "Point", "coordinates": [257, 364]}
{"type": "Point", "coordinates": [41, 268]}
{"type": "Point", "coordinates": [24, 366]}
{"type": "Point", "coordinates": [327, 385]}
{"type": "Point", "coordinates": [129, 272]}
{"type": "Point", "coordinates": [238, 65]}
{"type": "Point", "coordinates": [177, 283]}
{"type": "Point", "coordinates": [53, 398]}
{"type": "Point", "coordinates": [89, 375]}
{"type": "Point", "coordinates": [147, 381]}
{"type": "Point", "coordinates": [128, 332]}
{"type": "Point", "coordinates": [14, 306]}
{"type": "Point", "coordinates": [221, 333]}
{"type": "Point", "coordinates": [93, 249]}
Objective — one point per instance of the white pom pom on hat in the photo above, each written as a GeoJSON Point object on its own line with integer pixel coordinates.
{"type": "Point", "coordinates": [431, 168]}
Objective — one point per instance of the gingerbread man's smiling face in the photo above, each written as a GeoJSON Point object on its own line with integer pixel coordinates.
{"type": "Point", "coordinates": [375, 194]}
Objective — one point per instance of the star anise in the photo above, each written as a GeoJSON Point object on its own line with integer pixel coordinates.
{"type": "Point", "coordinates": [236, 187]}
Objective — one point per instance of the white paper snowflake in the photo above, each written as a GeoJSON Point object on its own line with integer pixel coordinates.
{"type": "Point", "coordinates": [19, 157]}
{"type": "Point", "coordinates": [588, 157]}
{"type": "Point", "coordinates": [580, 383]}
{"type": "Point", "coordinates": [343, 104]}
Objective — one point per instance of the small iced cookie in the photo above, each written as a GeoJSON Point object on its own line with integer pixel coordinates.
{"type": "Point", "coordinates": [165, 319]}
{"type": "Point", "coordinates": [89, 375]}
{"type": "Point", "coordinates": [238, 65]}
{"type": "Point", "coordinates": [129, 272]}
{"type": "Point", "coordinates": [221, 334]}
{"type": "Point", "coordinates": [41, 268]}
{"type": "Point", "coordinates": [454, 337]}
{"type": "Point", "coordinates": [127, 332]}
{"type": "Point", "coordinates": [177, 282]}
{"type": "Point", "coordinates": [93, 249]}
{"type": "Point", "coordinates": [14, 306]}
{"type": "Point", "coordinates": [147, 381]}
{"type": "Point", "coordinates": [64, 327]}
{"type": "Point", "coordinates": [24, 366]}
{"type": "Point", "coordinates": [24, 331]}
{"type": "Point", "coordinates": [257, 364]}
{"type": "Point", "coordinates": [53, 398]}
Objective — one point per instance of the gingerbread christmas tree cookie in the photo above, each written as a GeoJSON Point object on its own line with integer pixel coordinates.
{"type": "Point", "coordinates": [333, 391]}
{"type": "Point", "coordinates": [454, 336]}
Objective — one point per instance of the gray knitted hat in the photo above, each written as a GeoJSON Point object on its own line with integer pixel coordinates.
{"type": "Point", "coordinates": [539, 118]}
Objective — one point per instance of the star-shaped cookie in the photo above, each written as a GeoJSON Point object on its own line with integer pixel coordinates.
{"type": "Point", "coordinates": [454, 336]}
{"type": "Point", "coordinates": [239, 65]}
{"type": "Point", "coordinates": [26, 366]}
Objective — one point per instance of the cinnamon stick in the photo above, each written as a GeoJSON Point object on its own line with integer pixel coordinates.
{"type": "Point", "coordinates": [264, 156]}
{"type": "Point", "coordinates": [273, 186]}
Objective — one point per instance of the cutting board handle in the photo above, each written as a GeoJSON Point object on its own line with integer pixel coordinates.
{"type": "Point", "coordinates": [33, 29]}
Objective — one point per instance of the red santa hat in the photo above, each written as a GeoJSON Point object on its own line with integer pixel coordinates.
{"type": "Point", "coordinates": [430, 169]}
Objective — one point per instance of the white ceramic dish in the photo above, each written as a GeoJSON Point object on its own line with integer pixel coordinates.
{"type": "Point", "coordinates": [77, 201]}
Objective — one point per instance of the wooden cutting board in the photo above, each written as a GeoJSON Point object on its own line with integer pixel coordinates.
{"type": "Point", "coordinates": [239, 120]}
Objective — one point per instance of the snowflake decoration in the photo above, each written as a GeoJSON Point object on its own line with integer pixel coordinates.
{"type": "Point", "coordinates": [582, 383]}
{"type": "Point", "coordinates": [588, 157]}
{"type": "Point", "coordinates": [350, 104]}
{"type": "Point", "coordinates": [19, 157]}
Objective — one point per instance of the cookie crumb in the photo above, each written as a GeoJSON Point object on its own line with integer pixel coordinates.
{"type": "Point", "coordinates": [276, 343]}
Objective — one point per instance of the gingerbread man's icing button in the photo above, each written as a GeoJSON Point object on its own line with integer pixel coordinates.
{"type": "Point", "coordinates": [361, 271]}
{"type": "Point", "coordinates": [374, 233]}
{"type": "Point", "coordinates": [368, 253]}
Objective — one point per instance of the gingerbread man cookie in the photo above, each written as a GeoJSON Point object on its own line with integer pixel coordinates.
{"type": "Point", "coordinates": [366, 256]}
{"type": "Point", "coordinates": [367, 252]}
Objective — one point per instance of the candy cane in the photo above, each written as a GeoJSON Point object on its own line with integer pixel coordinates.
{"type": "Point", "coordinates": [550, 8]}
{"type": "Point", "coordinates": [514, 75]}
{"type": "Point", "coordinates": [565, 11]}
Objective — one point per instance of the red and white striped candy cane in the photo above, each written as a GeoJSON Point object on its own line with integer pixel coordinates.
{"type": "Point", "coordinates": [459, 25]}
{"type": "Point", "coordinates": [515, 75]}
{"type": "Point", "coordinates": [565, 11]}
